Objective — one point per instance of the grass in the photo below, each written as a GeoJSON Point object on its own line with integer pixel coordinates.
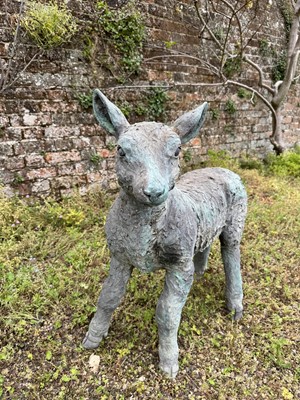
{"type": "Point", "coordinates": [53, 258]}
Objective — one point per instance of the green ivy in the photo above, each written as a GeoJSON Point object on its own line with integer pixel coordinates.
{"type": "Point", "coordinates": [266, 49]}
{"type": "Point", "coordinates": [279, 68]}
{"type": "Point", "coordinates": [151, 107]}
{"type": "Point", "coordinates": [232, 66]}
{"type": "Point", "coordinates": [279, 60]}
{"type": "Point", "coordinates": [157, 99]}
{"type": "Point", "coordinates": [48, 25]}
{"type": "Point", "coordinates": [126, 30]}
{"type": "Point", "coordinates": [126, 108]}
{"type": "Point", "coordinates": [287, 13]}
{"type": "Point", "coordinates": [230, 107]}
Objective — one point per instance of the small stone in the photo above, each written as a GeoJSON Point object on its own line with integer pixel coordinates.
{"type": "Point", "coordinates": [94, 362]}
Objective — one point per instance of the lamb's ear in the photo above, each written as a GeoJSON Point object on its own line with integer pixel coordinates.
{"type": "Point", "coordinates": [109, 116]}
{"type": "Point", "coordinates": [188, 125]}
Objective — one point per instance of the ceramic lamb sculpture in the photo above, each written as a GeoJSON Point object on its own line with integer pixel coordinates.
{"type": "Point", "coordinates": [156, 222]}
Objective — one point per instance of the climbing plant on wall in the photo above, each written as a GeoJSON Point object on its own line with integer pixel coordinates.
{"type": "Point", "coordinates": [123, 31]}
{"type": "Point", "coordinates": [126, 29]}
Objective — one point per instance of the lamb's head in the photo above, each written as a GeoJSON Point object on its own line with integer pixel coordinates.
{"type": "Point", "coordinates": [148, 152]}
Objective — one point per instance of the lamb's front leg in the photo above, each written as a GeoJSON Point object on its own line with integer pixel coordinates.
{"type": "Point", "coordinates": [168, 314]}
{"type": "Point", "coordinates": [112, 292]}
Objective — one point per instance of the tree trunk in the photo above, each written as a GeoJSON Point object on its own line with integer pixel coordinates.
{"type": "Point", "coordinates": [284, 86]}
{"type": "Point", "coordinates": [276, 137]}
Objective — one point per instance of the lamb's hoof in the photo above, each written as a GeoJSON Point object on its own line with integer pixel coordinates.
{"type": "Point", "coordinates": [237, 315]}
{"type": "Point", "coordinates": [170, 370]}
{"type": "Point", "coordinates": [91, 341]}
{"type": "Point", "coordinates": [198, 275]}
{"type": "Point", "coordinates": [234, 314]}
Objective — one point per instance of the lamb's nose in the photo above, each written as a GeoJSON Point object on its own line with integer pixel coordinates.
{"type": "Point", "coordinates": [153, 194]}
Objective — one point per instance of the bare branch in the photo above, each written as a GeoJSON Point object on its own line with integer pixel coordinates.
{"type": "Point", "coordinates": [214, 8]}
{"type": "Point", "coordinates": [252, 36]}
{"type": "Point", "coordinates": [179, 54]}
{"type": "Point", "coordinates": [203, 63]}
{"type": "Point", "coordinates": [294, 34]}
{"type": "Point", "coordinates": [229, 25]}
{"type": "Point", "coordinates": [260, 72]}
{"type": "Point", "coordinates": [296, 77]}
{"type": "Point", "coordinates": [255, 14]}
{"type": "Point", "coordinates": [212, 35]}
{"type": "Point", "coordinates": [250, 89]}
{"type": "Point", "coordinates": [167, 87]}
{"type": "Point", "coordinates": [235, 13]}
{"type": "Point", "coordinates": [8, 68]}
{"type": "Point", "coordinates": [11, 83]}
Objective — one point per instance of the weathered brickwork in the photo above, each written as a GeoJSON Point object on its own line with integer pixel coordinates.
{"type": "Point", "coordinates": [50, 144]}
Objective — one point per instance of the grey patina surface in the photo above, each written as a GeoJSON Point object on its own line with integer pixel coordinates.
{"type": "Point", "coordinates": [154, 224]}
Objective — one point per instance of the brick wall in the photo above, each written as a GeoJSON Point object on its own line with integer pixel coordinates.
{"type": "Point", "coordinates": [50, 144]}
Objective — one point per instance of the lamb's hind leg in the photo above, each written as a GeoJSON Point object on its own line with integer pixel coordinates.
{"type": "Point", "coordinates": [231, 259]}
{"type": "Point", "coordinates": [201, 261]}
{"type": "Point", "coordinates": [112, 292]}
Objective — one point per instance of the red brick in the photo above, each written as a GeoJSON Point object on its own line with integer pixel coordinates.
{"type": "Point", "coordinates": [62, 156]}
{"type": "Point", "coordinates": [41, 173]}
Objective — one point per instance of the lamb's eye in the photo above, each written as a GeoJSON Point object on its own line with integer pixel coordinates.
{"type": "Point", "coordinates": [120, 151]}
{"type": "Point", "coordinates": [176, 154]}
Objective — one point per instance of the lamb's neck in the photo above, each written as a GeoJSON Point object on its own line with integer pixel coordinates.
{"type": "Point", "coordinates": [130, 206]}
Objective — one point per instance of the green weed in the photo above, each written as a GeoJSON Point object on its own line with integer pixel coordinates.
{"type": "Point", "coordinates": [251, 163]}
{"type": "Point", "coordinates": [48, 25]}
{"type": "Point", "coordinates": [85, 100]}
{"type": "Point", "coordinates": [286, 164]}
{"type": "Point", "coordinates": [187, 155]}
{"type": "Point", "coordinates": [221, 159]}
{"type": "Point", "coordinates": [230, 107]}
{"type": "Point", "coordinates": [95, 158]}
{"type": "Point", "coordinates": [244, 94]}
{"type": "Point", "coordinates": [18, 179]}
{"type": "Point", "coordinates": [215, 114]}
